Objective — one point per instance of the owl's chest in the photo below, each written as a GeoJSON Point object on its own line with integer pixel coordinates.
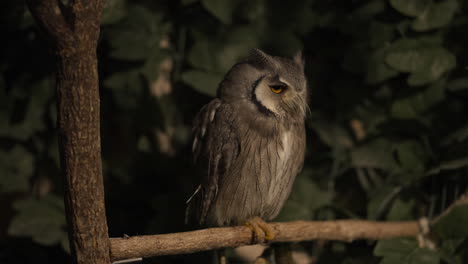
{"type": "Point", "coordinates": [270, 159]}
{"type": "Point", "coordinates": [281, 164]}
{"type": "Point", "coordinates": [283, 148]}
{"type": "Point", "coordinates": [286, 163]}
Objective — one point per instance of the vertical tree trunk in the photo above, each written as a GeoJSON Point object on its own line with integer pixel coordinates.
{"type": "Point", "coordinates": [80, 152]}
{"type": "Point", "coordinates": [73, 31]}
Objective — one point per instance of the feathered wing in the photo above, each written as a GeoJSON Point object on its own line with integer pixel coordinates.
{"type": "Point", "coordinates": [215, 147]}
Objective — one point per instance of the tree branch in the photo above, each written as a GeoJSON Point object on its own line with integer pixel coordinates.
{"type": "Point", "coordinates": [216, 238]}
{"type": "Point", "coordinates": [49, 16]}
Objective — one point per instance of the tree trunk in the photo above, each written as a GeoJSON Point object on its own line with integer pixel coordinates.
{"type": "Point", "coordinates": [73, 31]}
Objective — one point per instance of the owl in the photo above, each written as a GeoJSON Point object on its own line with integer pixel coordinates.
{"type": "Point", "coordinates": [250, 142]}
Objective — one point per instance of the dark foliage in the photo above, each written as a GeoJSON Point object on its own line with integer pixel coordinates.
{"type": "Point", "coordinates": [387, 137]}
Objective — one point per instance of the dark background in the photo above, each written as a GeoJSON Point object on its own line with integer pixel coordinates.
{"type": "Point", "coordinates": [387, 133]}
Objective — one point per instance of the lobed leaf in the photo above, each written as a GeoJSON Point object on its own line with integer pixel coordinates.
{"type": "Point", "coordinates": [452, 225]}
{"type": "Point", "coordinates": [203, 82]}
{"type": "Point", "coordinates": [437, 15]}
{"type": "Point", "coordinates": [413, 106]}
{"type": "Point", "coordinates": [306, 197]}
{"type": "Point", "coordinates": [16, 167]}
{"type": "Point", "coordinates": [221, 9]}
{"type": "Point", "coordinates": [410, 7]}
{"type": "Point", "coordinates": [404, 251]}
{"type": "Point", "coordinates": [374, 154]}
{"type": "Point", "coordinates": [41, 219]}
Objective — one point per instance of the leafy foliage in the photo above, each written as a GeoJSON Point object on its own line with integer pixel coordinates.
{"type": "Point", "coordinates": [42, 219]}
{"type": "Point", "coordinates": [387, 133]}
{"type": "Point", "coordinates": [404, 251]}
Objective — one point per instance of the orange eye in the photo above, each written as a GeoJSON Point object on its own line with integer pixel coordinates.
{"type": "Point", "coordinates": [277, 88]}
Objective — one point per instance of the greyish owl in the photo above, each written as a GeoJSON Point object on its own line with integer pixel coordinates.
{"type": "Point", "coordinates": [250, 143]}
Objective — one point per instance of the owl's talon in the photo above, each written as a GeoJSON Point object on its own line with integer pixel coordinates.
{"type": "Point", "coordinates": [270, 236]}
{"type": "Point", "coordinates": [257, 232]}
{"type": "Point", "coordinates": [262, 231]}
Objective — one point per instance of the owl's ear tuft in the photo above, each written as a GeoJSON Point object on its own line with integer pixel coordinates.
{"type": "Point", "coordinates": [299, 58]}
{"type": "Point", "coordinates": [258, 53]}
{"type": "Point", "coordinates": [257, 56]}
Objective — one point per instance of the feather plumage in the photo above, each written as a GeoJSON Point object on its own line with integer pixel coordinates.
{"type": "Point", "coordinates": [250, 142]}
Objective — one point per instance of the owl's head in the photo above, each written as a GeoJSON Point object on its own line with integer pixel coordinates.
{"type": "Point", "coordinates": [275, 86]}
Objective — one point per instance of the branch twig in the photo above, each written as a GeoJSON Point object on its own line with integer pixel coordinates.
{"type": "Point", "coordinates": [216, 238]}
{"type": "Point", "coordinates": [463, 199]}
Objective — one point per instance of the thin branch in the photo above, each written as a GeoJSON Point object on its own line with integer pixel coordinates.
{"type": "Point", "coordinates": [216, 238]}
{"type": "Point", "coordinates": [50, 17]}
{"type": "Point", "coordinates": [463, 199]}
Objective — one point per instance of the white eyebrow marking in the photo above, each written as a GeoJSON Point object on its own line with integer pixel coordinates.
{"type": "Point", "coordinates": [284, 81]}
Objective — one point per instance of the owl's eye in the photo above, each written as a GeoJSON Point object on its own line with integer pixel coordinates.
{"type": "Point", "coordinates": [278, 88]}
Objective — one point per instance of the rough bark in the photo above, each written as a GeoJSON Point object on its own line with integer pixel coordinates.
{"type": "Point", "coordinates": [216, 238]}
{"type": "Point", "coordinates": [73, 32]}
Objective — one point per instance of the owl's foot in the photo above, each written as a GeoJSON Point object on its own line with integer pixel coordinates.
{"type": "Point", "coordinates": [261, 230]}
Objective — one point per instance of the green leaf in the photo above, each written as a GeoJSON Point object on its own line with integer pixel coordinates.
{"type": "Point", "coordinates": [126, 87]}
{"type": "Point", "coordinates": [214, 55]}
{"type": "Point", "coordinates": [413, 106]}
{"type": "Point", "coordinates": [412, 158]}
{"type": "Point", "coordinates": [305, 198]}
{"type": "Point", "coordinates": [369, 9]}
{"type": "Point", "coordinates": [439, 61]}
{"type": "Point", "coordinates": [407, 60]}
{"type": "Point", "coordinates": [332, 134]}
{"type": "Point", "coordinates": [202, 55]}
{"type": "Point", "coordinates": [221, 9]}
{"type": "Point", "coordinates": [238, 44]}
{"type": "Point", "coordinates": [450, 248]}
{"type": "Point", "coordinates": [203, 82]}
{"type": "Point", "coordinates": [380, 198]}
{"type": "Point", "coordinates": [452, 225]}
{"type": "Point", "coordinates": [404, 251]}
{"type": "Point", "coordinates": [16, 167]}
{"type": "Point", "coordinates": [380, 34]}
{"type": "Point", "coordinates": [137, 36]}
{"type": "Point", "coordinates": [65, 243]}
{"type": "Point", "coordinates": [144, 144]}
{"type": "Point", "coordinates": [457, 136]}
{"type": "Point", "coordinates": [425, 64]}
{"type": "Point", "coordinates": [38, 96]}
{"type": "Point", "coordinates": [410, 7]}
{"type": "Point", "coordinates": [113, 11]}
{"type": "Point", "coordinates": [374, 154]}
{"type": "Point", "coordinates": [372, 116]}
{"type": "Point", "coordinates": [41, 219]}
{"type": "Point", "coordinates": [398, 246]}
{"type": "Point", "coordinates": [459, 84]}
{"type": "Point", "coordinates": [423, 57]}
{"type": "Point", "coordinates": [377, 70]}
{"type": "Point", "coordinates": [437, 15]}
{"type": "Point", "coordinates": [449, 165]}
{"type": "Point", "coordinates": [286, 41]}
{"type": "Point", "coordinates": [405, 54]}
{"type": "Point", "coordinates": [401, 210]}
